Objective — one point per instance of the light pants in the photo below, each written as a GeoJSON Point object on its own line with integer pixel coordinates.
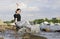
{"type": "Point", "coordinates": [21, 24]}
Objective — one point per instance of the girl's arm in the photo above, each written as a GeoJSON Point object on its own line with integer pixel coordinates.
{"type": "Point", "coordinates": [15, 20]}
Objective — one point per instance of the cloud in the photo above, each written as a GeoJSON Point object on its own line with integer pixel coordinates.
{"type": "Point", "coordinates": [22, 5]}
{"type": "Point", "coordinates": [30, 8]}
{"type": "Point", "coordinates": [33, 8]}
{"type": "Point", "coordinates": [27, 8]}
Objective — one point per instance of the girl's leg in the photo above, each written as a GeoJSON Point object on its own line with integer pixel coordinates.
{"type": "Point", "coordinates": [17, 28]}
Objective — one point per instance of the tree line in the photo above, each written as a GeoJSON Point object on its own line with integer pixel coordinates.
{"type": "Point", "coordinates": [53, 20]}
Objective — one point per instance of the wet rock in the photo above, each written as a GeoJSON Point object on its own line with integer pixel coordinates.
{"type": "Point", "coordinates": [30, 36]}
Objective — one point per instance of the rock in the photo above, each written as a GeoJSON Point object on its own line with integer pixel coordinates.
{"type": "Point", "coordinates": [1, 38]}
{"type": "Point", "coordinates": [30, 36]}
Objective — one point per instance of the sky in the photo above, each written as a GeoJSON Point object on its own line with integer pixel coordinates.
{"type": "Point", "coordinates": [31, 9]}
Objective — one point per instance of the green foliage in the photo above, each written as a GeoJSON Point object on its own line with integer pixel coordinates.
{"type": "Point", "coordinates": [38, 21]}
{"type": "Point", "coordinates": [53, 20]}
{"type": "Point", "coordinates": [12, 21]}
{"type": "Point", "coordinates": [8, 22]}
{"type": "Point", "coordinates": [46, 19]}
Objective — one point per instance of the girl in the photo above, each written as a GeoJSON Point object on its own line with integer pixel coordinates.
{"type": "Point", "coordinates": [17, 18]}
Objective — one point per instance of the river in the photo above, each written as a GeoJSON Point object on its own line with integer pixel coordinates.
{"type": "Point", "coordinates": [9, 34]}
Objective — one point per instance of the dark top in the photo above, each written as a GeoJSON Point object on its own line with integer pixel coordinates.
{"type": "Point", "coordinates": [18, 16]}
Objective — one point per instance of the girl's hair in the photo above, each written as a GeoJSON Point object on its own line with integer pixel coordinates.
{"type": "Point", "coordinates": [17, 10]}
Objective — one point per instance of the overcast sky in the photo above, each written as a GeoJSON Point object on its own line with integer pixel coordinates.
{"type": "Point", "coordinates": [31, 9]}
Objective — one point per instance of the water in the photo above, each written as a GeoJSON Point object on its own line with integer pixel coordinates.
{"type": "Point", "coordinates": [51, 35]}
{"type": "Point", "coordinates": [9, 34]}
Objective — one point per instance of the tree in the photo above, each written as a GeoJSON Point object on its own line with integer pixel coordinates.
{"type": "Point", "coordinates": [38, 21]}
{"type": "Point", "coordinates": [12, 21]}
{"type": "Point", "coordinates": [54, 20]}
